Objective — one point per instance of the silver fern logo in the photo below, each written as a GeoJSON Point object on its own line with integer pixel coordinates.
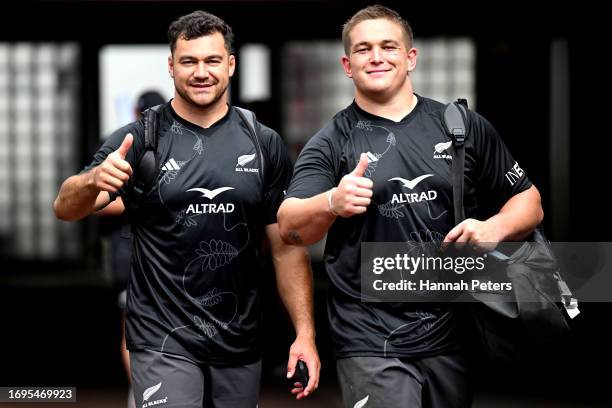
{"type": "Point", "coordinates": [243, 161]}
{"type": "Point", "coordinates": [439, 150]}
{"type": "Point", "coordinates": [148, 393]}
{"type": "Point", "coordinates": [361, 403]}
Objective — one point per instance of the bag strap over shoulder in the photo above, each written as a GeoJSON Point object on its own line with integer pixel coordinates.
{"type": "Point", "coordinates": [456, 123]}
{"type": "Point", "coordinates": [146, 167]}
{"type": "Point", "coordinates": [249, 118]}
{"type": "Point", "coordinates": [455, 120]}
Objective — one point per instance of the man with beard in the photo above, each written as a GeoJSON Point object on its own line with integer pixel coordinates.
{"type": "Point", "coordinates": [193, 318]}
{"type": "Point", "coordinates": [380, 171]}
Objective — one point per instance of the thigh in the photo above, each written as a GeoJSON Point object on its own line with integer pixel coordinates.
{"type": "Point", "coordinates": [447, 381]}
{"type": "Point", "coordinates": [167, 380]}
{"type": "Point", "coordinates": [232, 387]}
{"type": "Point", "coordinates": [379, 382]}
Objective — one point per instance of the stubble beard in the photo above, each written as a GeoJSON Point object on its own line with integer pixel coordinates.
{"type": "Point", "coordinates": [190, 101]}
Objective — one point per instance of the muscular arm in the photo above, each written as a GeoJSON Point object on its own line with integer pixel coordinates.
{"type": "Point", "coordinates": [519, 216]}
{"type": "Point", "coordinates": [86, 193]}
{"type": "Point", "coordinates": [79, 197]}
{"type": "Point", "coordinates": [295, 287]}
{"type": "Point", "coordinates": [304, 221]}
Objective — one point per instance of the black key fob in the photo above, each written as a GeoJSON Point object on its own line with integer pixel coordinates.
{"type": "Point", "coordinates": [301, 373]}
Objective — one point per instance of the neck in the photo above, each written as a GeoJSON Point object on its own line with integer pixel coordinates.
{"type": "Point", "coordinates": [395, 107]}
{"type": "Point", "coordinates": [202, 116]}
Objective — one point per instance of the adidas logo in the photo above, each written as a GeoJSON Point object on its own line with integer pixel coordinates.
{"type": "Point", "coordinates": [171, 165]}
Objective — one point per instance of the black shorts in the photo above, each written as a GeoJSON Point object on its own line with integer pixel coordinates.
{"type": "Point", "coordinates": [376, 382]}
{"type": "Point", "coordinates": [173, 381]}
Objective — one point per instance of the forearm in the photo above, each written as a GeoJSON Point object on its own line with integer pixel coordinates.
{"type": "Point", "coordinates": [295, 287]}
{"type": "Point", "coordinates": [305, 221]}
{"type": "Point", "coordinates": [77, 197]}
{"type": "Point", "coordinates": [520, 215]}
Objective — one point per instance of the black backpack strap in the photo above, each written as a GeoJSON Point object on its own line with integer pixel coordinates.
{"type": "Point", "coordinates": [455, 119]}
{"type": "Point", "coordinates": [249, 118]}
{"type": "Point", "coordinates": [146, 168]}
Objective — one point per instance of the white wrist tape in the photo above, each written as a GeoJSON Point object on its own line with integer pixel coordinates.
{"type": "Point", "coordinates": [329, 201]}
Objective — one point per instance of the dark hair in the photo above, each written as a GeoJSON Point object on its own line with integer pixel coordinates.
{"type": "Point", "coordinates": [198, 24]}
{"type": "Point", "coordinates": [148, 99]}
{"type": "Point", "coordinates": [373, 13]}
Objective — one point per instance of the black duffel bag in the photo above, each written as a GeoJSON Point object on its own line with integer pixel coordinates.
{"type": "Point", "coordinates": [510, 323]}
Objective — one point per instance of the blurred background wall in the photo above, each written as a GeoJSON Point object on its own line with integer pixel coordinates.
{"type": "Point", "coordinates": [70, 71]}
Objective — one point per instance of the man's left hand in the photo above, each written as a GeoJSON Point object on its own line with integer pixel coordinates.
{"type": "Point", "coordinates": [304, 348]}
{"type": "Point", "coordinates": [482, 235]}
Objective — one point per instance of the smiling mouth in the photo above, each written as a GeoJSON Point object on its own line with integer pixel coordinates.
{"type": "Point", "coordinates": [202, 86]}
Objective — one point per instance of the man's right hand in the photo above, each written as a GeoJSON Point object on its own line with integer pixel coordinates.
{"type": "Point", "coordinates": [115, 170]}
{"type": "Point", "coordinates": [352, 196]}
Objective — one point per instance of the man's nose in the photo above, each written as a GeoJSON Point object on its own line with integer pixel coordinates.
{"type": "Point", "coordinates": [376, 55]}
{"type": "Point", "coordinates": [201, 71]}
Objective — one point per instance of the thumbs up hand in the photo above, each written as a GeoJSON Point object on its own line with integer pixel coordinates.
{"type": "Point", "coordinates": [352, 196]}
{"type": "Point", "coordinates": [115, 170]}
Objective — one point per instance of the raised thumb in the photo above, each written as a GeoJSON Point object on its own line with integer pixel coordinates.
{"type": "Point", "coordinates": [125, 145]}
{"type": "Point", "coordinates": [361, 166]}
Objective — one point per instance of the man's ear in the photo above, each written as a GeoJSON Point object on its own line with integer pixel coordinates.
{"type": "Point", "coordinates": [346, 65]}
{"type": "Point", "coordinates": [412, 59]}
{"type": "Point", "coordinates": [171, 66]}
{"type": "Point", "coordinates": [232, 65]}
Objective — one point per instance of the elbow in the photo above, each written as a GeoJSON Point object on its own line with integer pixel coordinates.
{"type": "Point", "coordinates": [57, 209]}
{"type": "Point", "coordinates": [540, 215]}
{"type": "Point", "coordinates": [289, 230]}
{"type": "Point", "coordinates": [60, 211]}
{"type": "Point", "coordinates": [539, 211]}
{"type": "Point", "coordinates": [283, 225]}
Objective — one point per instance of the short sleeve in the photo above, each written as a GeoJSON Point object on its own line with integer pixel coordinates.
{"type": "Point", "coordinates": [315, 170]}
{"type": "Point", "coordinates": [498, 174]}
{"type": "Point", "coordinates": [277, 173]}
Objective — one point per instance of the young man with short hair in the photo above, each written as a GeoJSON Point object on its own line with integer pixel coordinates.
{"type": "Point", "coordinates": [348, 181]}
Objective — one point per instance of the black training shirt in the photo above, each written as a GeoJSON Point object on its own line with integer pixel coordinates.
{"type": "Point", "coordinates": [410, 165]}
{"type": "Point", "coordinates": [195, 272]}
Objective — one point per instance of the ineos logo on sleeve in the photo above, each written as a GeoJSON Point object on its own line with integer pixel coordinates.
{"type": "Point", "coordinates": [514, 174]}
